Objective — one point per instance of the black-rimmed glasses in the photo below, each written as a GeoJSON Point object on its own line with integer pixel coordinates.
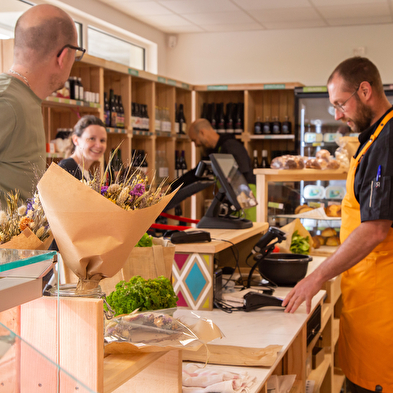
{"type": "Point", "coordinates": [341, 107]}
{"type": "Point", "coordinates": [79, 52]}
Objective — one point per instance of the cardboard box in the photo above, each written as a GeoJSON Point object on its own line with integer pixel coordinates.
{"type": "Point", "coordinates": [318, 355]}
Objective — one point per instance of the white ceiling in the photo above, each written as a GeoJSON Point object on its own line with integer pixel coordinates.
{"type": "Point", "coordinates": [198, 16]}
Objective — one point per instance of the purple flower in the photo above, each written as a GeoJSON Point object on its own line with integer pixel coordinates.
{"type": "Point", "coordinates": [138, 190]}
{"type": "Point", "coordinates": [103, 190]}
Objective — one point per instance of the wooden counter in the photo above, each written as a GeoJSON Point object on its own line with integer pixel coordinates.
{"type": "Point", "coordinates": [193, 268]}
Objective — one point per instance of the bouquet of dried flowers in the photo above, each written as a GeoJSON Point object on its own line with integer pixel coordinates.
{"type": "Point", "coordinates": [96, 231]}
{"type": "Point", "coordinates": [18, 216]}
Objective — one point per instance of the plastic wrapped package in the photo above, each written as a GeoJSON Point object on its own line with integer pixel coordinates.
{"type": "Point", "coordinates": [157, 331]}
{"type": "Point", "coordinates": [288, 162]}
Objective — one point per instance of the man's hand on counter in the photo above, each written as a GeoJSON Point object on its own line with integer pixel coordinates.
{"type": "Point", "coordinates": [304, 290]}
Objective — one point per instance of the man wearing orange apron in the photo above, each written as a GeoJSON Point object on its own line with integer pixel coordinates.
{"type": "Point", "coordinates": [365, 257]}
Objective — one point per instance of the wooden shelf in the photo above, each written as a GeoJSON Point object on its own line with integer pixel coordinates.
{"type": "Point", "coordinates": [111, 130]}
{"type": "Point", "coordinates": [255, 137]}
{"type": "Point", "coordinates": [118, 369]}
{"type": "Point", "coordinates": [318, 375]}
{"type": "Point", "coordinates": [67, 102]}
{"type": "Point", "coordinates": [336, 330]}
{"type": "Point", "coordinates": [338, 380]}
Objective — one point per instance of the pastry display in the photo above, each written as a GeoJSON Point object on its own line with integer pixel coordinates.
{"type": "Point", "coordinates": [333, 211]}
{"type": "Point", "coordinates": [287, 162]}
{"type": "Point", "coordinates": [331, 237]}
{"type": "Point", "coordinates": [333, 241]}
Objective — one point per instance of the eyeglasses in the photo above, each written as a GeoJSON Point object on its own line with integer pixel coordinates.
{"type": "Point", "coordinates": [79, 52]}
{"type": "Point", "coordinates": [341, 107]}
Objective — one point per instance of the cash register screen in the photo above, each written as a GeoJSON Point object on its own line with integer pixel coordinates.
{"type": "Point", "coordinates": [232, 181]}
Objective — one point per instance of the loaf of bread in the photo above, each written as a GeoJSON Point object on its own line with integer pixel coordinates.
{"type": "Point", "coordinates": [300, 207]}
{"type": "Point", "coordinates": [322, 240]}
{"type": "Point", "coordinates": [315, 242]}
{"type": "Point", "coordinates": [333, 211]}
{"type": "Point", "coordinates": [312, 163]}
{"type": "Point", "coordinates": [333, 164]}
{"type": "Point", "coordinates": [333, 241]}
{"type": "Point", "coordinates": [287, 162]}
{"type": "Point", "coordinates": [328, 232]}
{"type": "Point", "coordinates": [323, 155]}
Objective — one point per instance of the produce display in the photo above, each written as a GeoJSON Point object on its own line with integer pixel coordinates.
{"type": "Point", "coordinates": [145, 241]}
{"type": "Point", "coordinates": [138, 293]}
{"type": "Point", "coordinates": [300, 244]}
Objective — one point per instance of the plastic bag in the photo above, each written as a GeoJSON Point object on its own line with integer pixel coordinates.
{"type": "Point", "coordinates": [342, 154]}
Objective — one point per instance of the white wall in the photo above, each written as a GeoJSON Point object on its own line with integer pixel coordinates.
{"type": "Point", "coordinates": [304, 55]}
{"type": "Point", "coordinates": [121, 23]}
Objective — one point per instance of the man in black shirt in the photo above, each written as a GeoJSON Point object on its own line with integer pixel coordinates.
{"type": "Point", "coordinates": [202, 134]}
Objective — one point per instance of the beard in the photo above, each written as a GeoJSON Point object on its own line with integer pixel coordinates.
{"type": "Point", "coordinates": [362, 119]}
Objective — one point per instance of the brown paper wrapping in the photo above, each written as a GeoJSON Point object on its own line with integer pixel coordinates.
{"type": "Point", "coordinates": [27, 240]}
{"type": "Point", "coordinates": [204, 330]}
{"type": "Point", "coordinates": [289, 229]}
{"type": "Point", "coordinates": [147, 262]}
{"type": "Point", "coordinates": [234, 355]}
{"type": "Point", "coordinates": [94, 235]}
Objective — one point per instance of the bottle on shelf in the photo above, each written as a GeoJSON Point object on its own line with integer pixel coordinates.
{"type": "Point", "coordinates": [138, 119]}
{"type": "Point", "coordinates": [266, 127]}
{"type": "Point", "coordinates": [276, 126]}
{"type": "Point", "coordinates": [107, 112]}
{"type": "Point", "coordinates": [183, 163]}
{"type": "Point", "coordinates": [255, 162]}
{"type": "Point", "coordinates": [229, 119]}
{"type": "Point", "coordinates": [145, 120]}
{"type": "Point", "coordinates": [238, 119]}
{"type": "Point", "coordinates": [120, 113]}
{"type": "Point", "coordinates": [177, 164]}
{"type": "Point", "coordinates": [182, 120]}
{"type": "Point", "coordinates": [212, 115]}
{"type": "Point", "coordinates": [81, 89]}
{"type": "Point", "coordinates": [176, 119]}
{"type": "Point", "coordinates": [157, 120]}
{"type": "Point", "coordinates": [112, 104]}
{"type": "Point", "coordinates": [258, 127]}
{"type": "Point", "coordinates": [264, 162]}
{"type": "Point", "coordinates": [205, 114]}
{"type": "Point", "coordinates": [168, 123]}
{"type": "Point", "coordinates": [162, 170]}
{"type": "Point", "coordinates": [220, 118]}
{"type": "Point", "coordinates": [286, 127]}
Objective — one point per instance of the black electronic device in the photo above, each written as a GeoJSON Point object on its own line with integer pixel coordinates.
{"type": "Point", "coordinates": [190, 237]}
{"type": "Point", "coordinates": [265, 246]}
{"type": "Point", "coordinates": [255, 300]}
{"type": "Point", "coordinates": [234, 194]}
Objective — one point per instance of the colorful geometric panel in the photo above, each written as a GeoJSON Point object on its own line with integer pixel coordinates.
{"type": "Point", "coordinates": [192, 280]}
{"type": "Point", "coordinates": [180, 260]}
{"type": "Point", "coordinates": [195, 281]}
{"type": "Point", "coordinates": [181, 302]}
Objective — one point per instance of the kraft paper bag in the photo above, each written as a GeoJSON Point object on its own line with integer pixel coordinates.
{"type": "Point", "coordinates": [147, 262]}
{"type": "Point", "coordinates": [94, 235]}
{"type": "Point", "coordinates": [289, 229]}
{"type": "Point", "coordinates": [27, 240]}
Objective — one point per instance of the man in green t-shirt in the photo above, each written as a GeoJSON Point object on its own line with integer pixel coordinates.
{"type": "Point", "coordinates": [45, 49]}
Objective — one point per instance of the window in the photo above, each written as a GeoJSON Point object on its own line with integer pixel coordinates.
{"type": "Point", "coordinates": [109, 47]}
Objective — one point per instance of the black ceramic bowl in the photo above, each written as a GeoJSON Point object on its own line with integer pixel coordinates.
{"type": "Point", "coordinates": [284, 269]}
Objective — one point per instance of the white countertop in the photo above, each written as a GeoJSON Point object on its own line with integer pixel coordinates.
{"type": "Point", "coordinates": [258, 329]}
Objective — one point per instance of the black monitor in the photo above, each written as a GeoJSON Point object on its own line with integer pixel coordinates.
{"type": "Point", "coordinates": [234, 195]}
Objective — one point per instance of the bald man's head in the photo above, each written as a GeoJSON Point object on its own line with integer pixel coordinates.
{"type": "Point", "coordinates": [202, 134]}
{"type": "Point", "coordinates": [42, 31]}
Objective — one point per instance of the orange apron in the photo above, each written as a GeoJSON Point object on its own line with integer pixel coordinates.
{"type": "Point", "coordinates": [366, 324]}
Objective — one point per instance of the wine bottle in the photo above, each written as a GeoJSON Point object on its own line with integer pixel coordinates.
{"type": "Point", "coordinates": [238, 119]}
{"type": "Point", "coordinates": [212, 115]}
{"type": "Point", "coordinates": [182, 120]}
{"type": "Point", "coordinates": [258, 127]}
{"type": "Point", "coordinates": [138, 120]}
{"type": "Point", "coordinates": [120, 113]}
{"type": "Point", "coordinates": [264, 162]}
{"type": "Point", "coordinates": [176, 119]}
{"type": "Point", "coordinates": [229, 119]}
{"type": "Point", "coordinates": [107, 112]}
{"type": "Point", "coordinates": [286, 127]}
{"type": "Point", "coordinates": [146, 120]}
{"type": "Point", "coordinates": [183, 163]}
{"type": "Point", "coordinates": [81, 90]}
{"type": "Point", "coordinates": [276, 126]}
{"type": "Point", "coordinates": [204, 114]}
{"type": "Point", "coordinates": [255, 163]}
{"type": "Point", "coordinates": [157, 121]}
{"type": "Point", "coordinates": [266, 127]}
{"type": "Point", "coordinates": [177, 164]}
{"type": "Point", "coordinates": [220, 120]}
{"type": "Point", "coordinates": [113, 108]}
